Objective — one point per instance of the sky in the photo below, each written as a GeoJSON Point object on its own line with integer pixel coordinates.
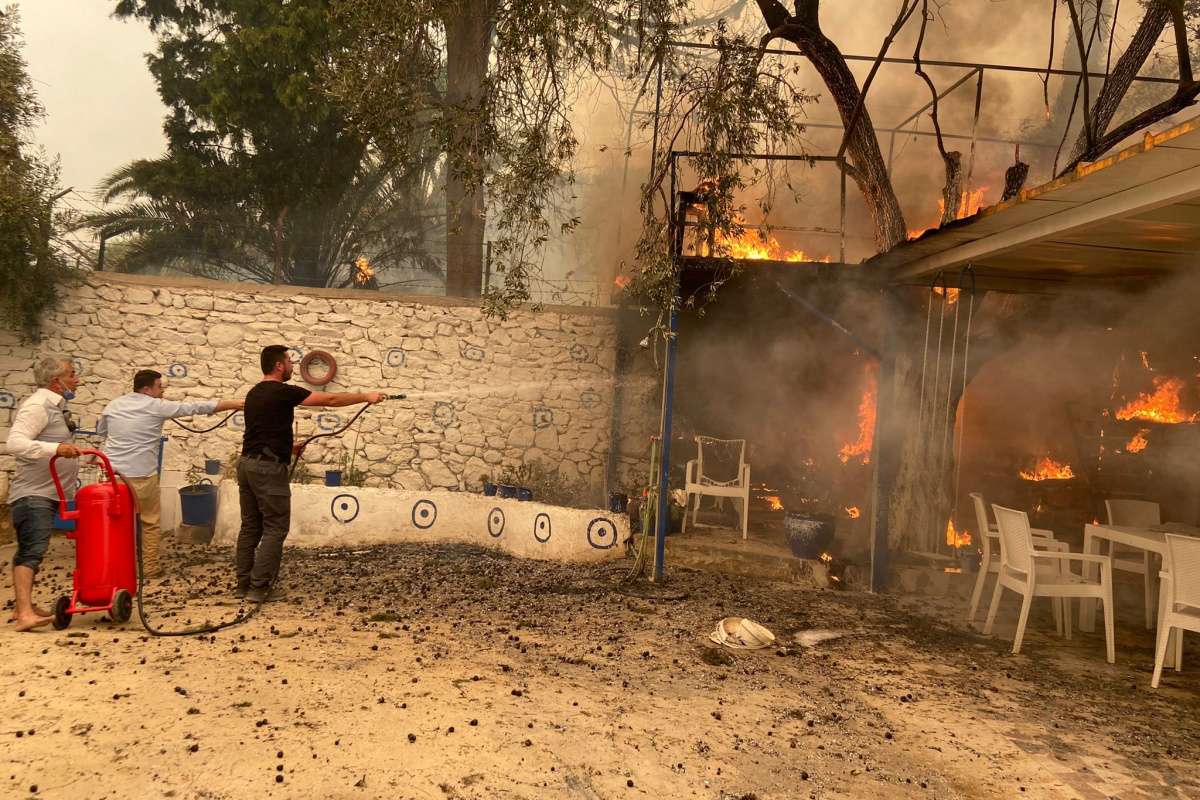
{"type": "Point", "coordinates": [90, 74]}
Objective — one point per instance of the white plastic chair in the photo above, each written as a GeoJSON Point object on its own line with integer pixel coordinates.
{"type": "Point", "coordinates": [1179, 600]}
{"type": "Point", "coordinates": [990, 563]}
{"type": "Point", "coordinates": [1135, 514]}
{"type": "Point", "coordinates": [700, 483]}
{"type": "Point", "coordinates": [1019, 563]}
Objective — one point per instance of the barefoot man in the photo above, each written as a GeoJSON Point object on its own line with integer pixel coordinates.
{"type": "Point", "coordinates": [39, 431]}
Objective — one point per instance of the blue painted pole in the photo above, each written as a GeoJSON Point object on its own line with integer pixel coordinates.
{"type": "Point", "coordinates": [162, 441]}
{"type": "Point", "coordinates": [664, 469]}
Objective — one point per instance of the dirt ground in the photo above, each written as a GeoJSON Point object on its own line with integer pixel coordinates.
{"type": "Point", "coordinates": [451, 672]}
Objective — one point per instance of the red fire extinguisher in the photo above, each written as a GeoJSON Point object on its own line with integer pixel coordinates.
{"type": "Point", "coordinates": [105, 576]}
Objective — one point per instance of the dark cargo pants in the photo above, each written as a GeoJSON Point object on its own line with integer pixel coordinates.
{"type": "Point", "coordinates": [266, 502]}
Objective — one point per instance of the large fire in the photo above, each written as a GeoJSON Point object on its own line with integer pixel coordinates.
{"type": "Point", "coordinates": [756, 245]}
{"type": "Point", "coordinates": [1162, 405]}
{"type": "Point", "coordinates": [969, 203]}
{"type": "Point", "coordinates": [860, 448]}
{"type": "Point", "coordinates": [1138, 443]}
{"type": "Point", "coordinates": [362, 271]}
{"type": "Point", "coordinates": [956, 538]}
{"type": "Point", "coordinates": [1047, 469]}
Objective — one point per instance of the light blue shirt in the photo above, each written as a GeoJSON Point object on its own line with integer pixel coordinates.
{"type": "Point", "coordinates": [132, 425]}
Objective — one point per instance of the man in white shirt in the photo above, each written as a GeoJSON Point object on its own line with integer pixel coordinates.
{"type": "Point", "coordinates": [132, 425]}
{"type": "Point", "coordinates": [39, 431]}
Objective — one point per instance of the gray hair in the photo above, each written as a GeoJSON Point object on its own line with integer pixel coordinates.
{"type": "Point", "coordinates": [49, 368]}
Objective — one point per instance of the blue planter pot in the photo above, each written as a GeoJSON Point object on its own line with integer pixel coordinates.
{"type": "Point", "coordinates": [212, 466]}
{"type": "Point", "coordinates": [489, 489]}
{"type": "Point", "coordinates": [524, 494]}
{"type": "Point", "coordinates": [198, 504]}
{"type": "Point", "coordinates": [618, 503]}
{"type": "Point", "coordinates": [333, 477]}
{"type": "Point", "coordinates": [505, 491]}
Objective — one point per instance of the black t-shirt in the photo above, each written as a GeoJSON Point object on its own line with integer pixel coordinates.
{"type": "Point", "coordinates": [269, 415]}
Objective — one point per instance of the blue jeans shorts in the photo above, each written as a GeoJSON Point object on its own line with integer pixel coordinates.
{"type": "Point", "coordinates": [33, 517]}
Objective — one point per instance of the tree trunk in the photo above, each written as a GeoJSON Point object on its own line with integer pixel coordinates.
{"type": "Point", "coordinates": [869, 169]}
{"type": "Point", "coordinates": [1118, 83]}
{"type": "Point", "coordinates": [468, 46]}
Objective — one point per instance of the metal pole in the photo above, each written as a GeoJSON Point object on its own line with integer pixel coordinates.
{"type": "Point", "coordinates": [663, 517]}
{"type": "Point", "coordinates": [885, 445]}
{"type": "Point", "coordinates": [487, 266]}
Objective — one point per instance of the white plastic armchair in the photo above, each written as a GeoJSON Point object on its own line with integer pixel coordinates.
{"type": "Point", "coordinates": [1179, 600]}
{"type": "Point", "coordinates": [1023, 570]}
{"type": "Point", "coordinates": [1135, 514]}
{"type": "Point", "coordinates": [700, 483]}
{"type": "Point", "coordinates": [990, 563]}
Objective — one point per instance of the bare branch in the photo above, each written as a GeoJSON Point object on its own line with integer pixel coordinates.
{"type": "Point", "coordinates": [1050, 58]}
{"type": "Point", "coordinates": [1085, 49]}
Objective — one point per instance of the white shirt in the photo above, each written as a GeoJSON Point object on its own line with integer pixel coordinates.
{"type": "Point", "coordinates": [133, 425]}
{"type": "Point", "coordinates": [39, 428]}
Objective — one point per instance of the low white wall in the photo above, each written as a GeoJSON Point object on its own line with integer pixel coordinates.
{"type": "Point", "coordinates": [341, 516]}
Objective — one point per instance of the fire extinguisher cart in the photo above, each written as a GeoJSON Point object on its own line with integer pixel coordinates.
{"type": "Point", "coordinates": [105, 516]}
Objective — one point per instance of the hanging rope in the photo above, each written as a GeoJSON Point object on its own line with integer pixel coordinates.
{"type": "Point", "coordinates": [925, 354]}
{"type": "Point", "coordinates": [968, 271]}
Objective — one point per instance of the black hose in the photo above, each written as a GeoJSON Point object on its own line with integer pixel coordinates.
{"type": "Point", "coordinates": [228, 417]}
{"type": "Point", "coordinates": [153, 631]}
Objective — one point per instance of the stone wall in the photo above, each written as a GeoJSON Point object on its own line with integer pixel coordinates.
{"type": "Point", "coordinates": [483, 394]}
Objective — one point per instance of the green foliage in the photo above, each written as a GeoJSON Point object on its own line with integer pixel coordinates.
{"type": "Point", "coordinates": [549, 485]}
{"type": "Point", "coordinates": [263, 173]}
{"type": "Point", "coordinates": [351, 474]}
{"type": "Point", "coordinates": [31, 268]}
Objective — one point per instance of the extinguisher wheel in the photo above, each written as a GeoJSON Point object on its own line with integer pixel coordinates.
{"type": "Point", "coordinates": [61, 618]}
{"type": "Point", "coordinates": [122, 608]}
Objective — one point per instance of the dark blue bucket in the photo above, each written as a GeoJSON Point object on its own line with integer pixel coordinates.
{"type": "Point", "coordinates": [524, 494]}
{"type": "Point", "coordinates": [198, 504]}
{"type": "Point", "coordinates": [333, 477]}
{"type": "Point", "coordinates": [506, 491]}
{"type": "Point", "coordinates": [212, 466]}
{"type": "Point", "coordinates": [489, 489]}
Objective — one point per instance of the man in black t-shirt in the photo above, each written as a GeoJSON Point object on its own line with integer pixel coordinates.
{"type": "Point", "coordinates": [263, 487]}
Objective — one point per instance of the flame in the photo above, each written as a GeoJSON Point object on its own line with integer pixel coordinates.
{"type": "Point", "coordinates": [756, 245]}
{"type": "Point", "coordinates": [621, 281]}
{"type": "Point", "coordinates": [1160, 406]}
{"type": "Point", "coordinates": [1047, 469]}
{"type": "Point", "coordinates": [853, 512]}
{"type": "Point", "coordinates": [1138, 443]}
{"type": "Point", "coordinates": [861, 447]}
{"type": "Point", "coordinates": [774, 502]}
{"type": "Point", "coordinates": [957, 539]}
{"type": "Point", "coordinates": [1146, 361]}
{"type": "Point", "coordinates": [951, 294]}
{"type": "Point", "coordinates": [969, 203]}
{"type": "Point", "coordinates": [362, 270]}
{"type": "Point", "coordinates": [826, 557]}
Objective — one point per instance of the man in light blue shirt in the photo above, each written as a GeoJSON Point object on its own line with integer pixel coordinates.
{"type": "Point", "coordinates": [132, 425]}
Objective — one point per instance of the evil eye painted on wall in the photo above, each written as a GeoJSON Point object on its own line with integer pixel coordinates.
{"type": "Point", "coordinates": [344, 508]}
{"type": "Point", "coordinates": [580, 353]}
{"type": "Point", "coordinates": [238, 420]}
{"type": "Point", "coordinates": [543, 417]}
{"type": "Point", "coordinates": [79, 371]}
{"type": "Point", "coordinates": [395, 357]}
{"type": "Point", "coordinates": [471, 352]}
{"type": "Point", "coordinates": [496, 522]}
{"type": "Point", "coordinates": [328, 422]}
{"type": "Point", "coordinates": [296, 353]}
{"type": "Point", "coordinates": [444, 413]}
{"type": "Point", "coordinates": [588, 398]}
{"type": "Point", "coordinates": [602, 533]}
{"type": "Point", "coordinates": [542, 527]}
{"type": "Point", "coordinates": [7, 400]}
{"type": "Point", "coordinates": [424, 514]}
{"type": "Point", "coordinates": [177, 370]}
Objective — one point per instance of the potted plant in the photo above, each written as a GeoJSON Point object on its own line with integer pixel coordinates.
{"type": "Point", "coordinates": [198, 499]}
{"type": "Point", "coordinates": [489, 486]}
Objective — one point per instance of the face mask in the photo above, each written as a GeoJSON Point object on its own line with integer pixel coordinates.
{"type": "Point", "coordinates": [68, 394]}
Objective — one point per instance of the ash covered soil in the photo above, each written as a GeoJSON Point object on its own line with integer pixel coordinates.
{"type": "Point", "coordinates": [452, 672]}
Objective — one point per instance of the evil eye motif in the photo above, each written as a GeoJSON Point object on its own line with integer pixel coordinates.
{"type": "Point", "coordinates": [177, 370]}
{"type": "Point", "coordinates": [543, 417]}
{"type": "Point", "coordinates": [444, 413]}
{"type": "Point", "coordinates": [394, 358]}
{"type": "Point", "coordinates": [471, 352]}
{"type": "Point", "coordinates": [7, 400]}
{"type": "Point", "coordinates": [580, 353]}
{"type": "Point", "coordinates": [328, 422]}
{"type": "Point", "coordinates": [602, 534]}
{"type": "Point", "coordinates": [78, 367]}
{"type": "Point", "coordinates": [542, 527]}
{"type": "Point", "coordinates": [344, 508]}
{"type": "Point", "coordinates": [424, 514]}
{"type": "Point", "coordinates": [588, 398]}
{"type": "Point", "coordinates": [238, 420]}
{"type": "Point", "coordinates": [495, 522]}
